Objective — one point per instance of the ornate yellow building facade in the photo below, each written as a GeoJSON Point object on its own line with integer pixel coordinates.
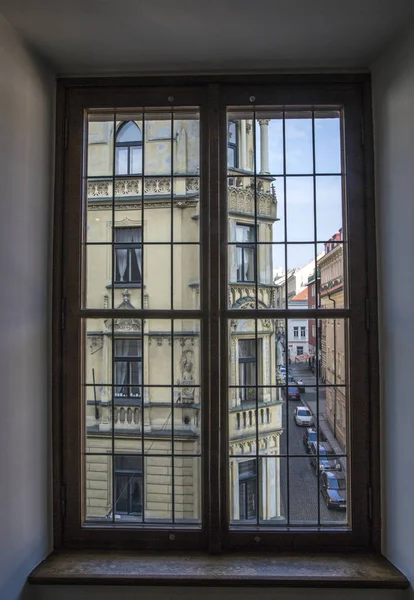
{"type": "Point", "coordinates": [143, 397]}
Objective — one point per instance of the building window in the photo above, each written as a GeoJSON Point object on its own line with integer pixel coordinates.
{"type": "Point", "coordinates": [128, 367]}
{"type": "Point", "coordinates": [299, 350]}
{"type": "Point", "coordinates": [303, 332]}
{"type": "Point", "coordinates": [128, 485]}
{"type": "Point", "coordinates": [233, 146]}
{"type": "Point", "coordinates": [247, 369]}
{"type": "Point", "coordinates": [128, 150]}
{"type": "Point", "coordinates": [248, 490]}
{"type": "Point", "coordinates": [128, 255]}
{"type": "Point", "coordinates": [296, 332]}
{"type": "Point", "coordinates": [246, 252]}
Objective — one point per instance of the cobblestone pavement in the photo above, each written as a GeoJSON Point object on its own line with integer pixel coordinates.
{"type": "Point", "coordinates": [302, 481]}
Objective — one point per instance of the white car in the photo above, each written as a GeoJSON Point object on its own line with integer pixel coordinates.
{"type": "Point", "coordinates": [303, 416]}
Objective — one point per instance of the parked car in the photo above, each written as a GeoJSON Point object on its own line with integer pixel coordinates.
{"type": "Point", "coordinates": [293, 393]}
{"type": "Point", "coordinates": [303, 416]}
{"type": "Point", "coordinates": [310, 436]}
{"type": "Point", "coordinates": [327, 462]}
{"type": "Point", "coordinates": [333, 489]}
{"type": "Point", "coordinates": [301, 385]}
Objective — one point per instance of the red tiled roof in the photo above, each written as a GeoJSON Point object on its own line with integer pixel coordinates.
{"type": "Point", "coordinates": [301, 297]}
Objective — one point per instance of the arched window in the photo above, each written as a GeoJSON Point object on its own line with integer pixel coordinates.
{"type": "Point", "coordinates": [128, 150]}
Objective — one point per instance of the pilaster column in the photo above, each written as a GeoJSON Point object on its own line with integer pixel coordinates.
{"type": "Point", "coordinates": [264, 146]}
{"type": "Point", "coordinates": [243, 144]}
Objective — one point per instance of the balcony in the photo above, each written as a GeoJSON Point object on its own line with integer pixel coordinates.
{"type": "Point", "coordinates": [158, 189]}
{"type": "Point", "coordinates": [243, 295]}
{"type": "Point", "coordinates": [241, 199]}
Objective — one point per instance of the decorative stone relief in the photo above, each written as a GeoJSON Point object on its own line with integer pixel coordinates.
{"type": "Point", "coordinates": [187, 371]}
{"type": "Point", "coordinates": [95, 343]}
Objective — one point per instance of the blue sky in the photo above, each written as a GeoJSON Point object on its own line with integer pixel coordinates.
{"type": "Point", "coordinates": [300, 190]}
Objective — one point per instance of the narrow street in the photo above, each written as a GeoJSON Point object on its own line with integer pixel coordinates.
{"type": "Point", "coordinates": [302, 481]}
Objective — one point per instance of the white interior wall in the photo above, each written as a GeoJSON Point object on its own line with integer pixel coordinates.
{"type": "Point", "coordinates": [26, 126]}
{"type": "Point", "coordinates": [393, 98]}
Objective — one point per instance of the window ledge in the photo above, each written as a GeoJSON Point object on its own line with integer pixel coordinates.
{"type": "Point", "coordinates": [197, 569]}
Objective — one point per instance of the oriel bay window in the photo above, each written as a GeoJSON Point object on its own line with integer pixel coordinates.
{"type": "Point", "coordinates": [172, 375]}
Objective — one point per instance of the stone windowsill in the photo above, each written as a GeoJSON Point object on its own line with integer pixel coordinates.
{"type": "Point", "coordinates": [196, 569]}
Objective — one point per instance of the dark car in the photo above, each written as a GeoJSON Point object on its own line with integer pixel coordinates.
{"type": "Point", "coordinates": [293, 393]}
{"type": "Point", "coordinates": [333, 489]}
{"type": "Point", "coordinates": [327, 462]}
{"type": "Point", "coordinates": [310, 436]}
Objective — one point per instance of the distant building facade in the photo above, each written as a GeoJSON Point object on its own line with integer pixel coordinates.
{"type": "Point", "coordinates": [333, 337]}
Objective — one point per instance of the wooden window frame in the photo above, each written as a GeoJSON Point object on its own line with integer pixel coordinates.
{"type": "Point", "coordinates": [213, 95]}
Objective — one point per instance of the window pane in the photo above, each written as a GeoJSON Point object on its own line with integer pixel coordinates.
{"type": "Point", "coordinates": [135, 158]}
{"type": "Point", "coordinates": [329, 207]}
{"type": "Point", "coordinates": [187, 143]}
{"type": "Point", "coordinates": [300, 209]}
{"type": "Point", "coordinates": [328, 142]}
{"type": "Point", "coordinates": [186, 214]}
{"type": "Point", "coordinates": [186, 276]}
{"type": "Point", "coordinates": [269, 142]}
{"type": "Point", "coordinates": [98, 276]}
{"type": "Point", "coordinates": [121, 161]}
{"type": "Point", "coordinates": [157, 144]}
{"type": "Point", "coordinates": [99, 152]}
{"type": "Point", "coordinates": [157, 275]}
{"type": "Point", "coordinates": [298, 131]}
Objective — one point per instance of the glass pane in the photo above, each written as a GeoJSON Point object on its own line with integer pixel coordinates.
{"type": "Point", "coordinates": [240, 142]}
{"type": "Point", "coordinates": [99, 211]}
{"type": "Point", "coordinates": [186, 215]}
{"type": "Point", "coordinates": [100, 146]}
{"type": "Point", "coordinates": [301, 265]}
{"type": "Point", "coordinates": [328, 207]}
{"type": "Point", "coordinates": [332, 284]}
{"type": "Point", "coordinates": [244, 488]}
{"type": "Point", "coordinates": [187, 489]}
{"type": "Point", "coordinates": [157, 144]}
{"type": "Point", "coordinates": [97, 352]}
{"type": "Point", "coordinates": [121, 160]}
{"type": "Point", "coordinates": [303, 492]}
{"type": "Point", "coordinates": [269, 143]}
{"type": "Point", "coordinates": [278, 226]}
{"type": "Point", "coordinates": [186, 276]}
{"type": "Point", "coordinates": [157, 275]}
{"type": "Point", "coordinates": [128, 483]}
{"type": "Point", "coordinates": [98, 488]}
{"type": "Point", "coordinates": [328, 141]}
{"type": "Point", "coordinates": [334, 495]}
{"type": "Point", "coordinates": [187, 143]}
{"type": "Point", "coordinates": [157, 209]}
{"type": "Point", "coordinates": [98, 276]}
{"type": "Point", "coordinates": [187, 359]}
{"type": "Point", "coordinates": [157, 354]}
{"type": "Point", "coordinates": [135, 160]}
{"type": "Point", "coordinates": [272, 491]}
{"type": "Point", "coordinates": [158, 489]}
{"type": "Point", "coordinates": [300, 209]}
{"type": "Point", "coordinates": [299, 153]}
